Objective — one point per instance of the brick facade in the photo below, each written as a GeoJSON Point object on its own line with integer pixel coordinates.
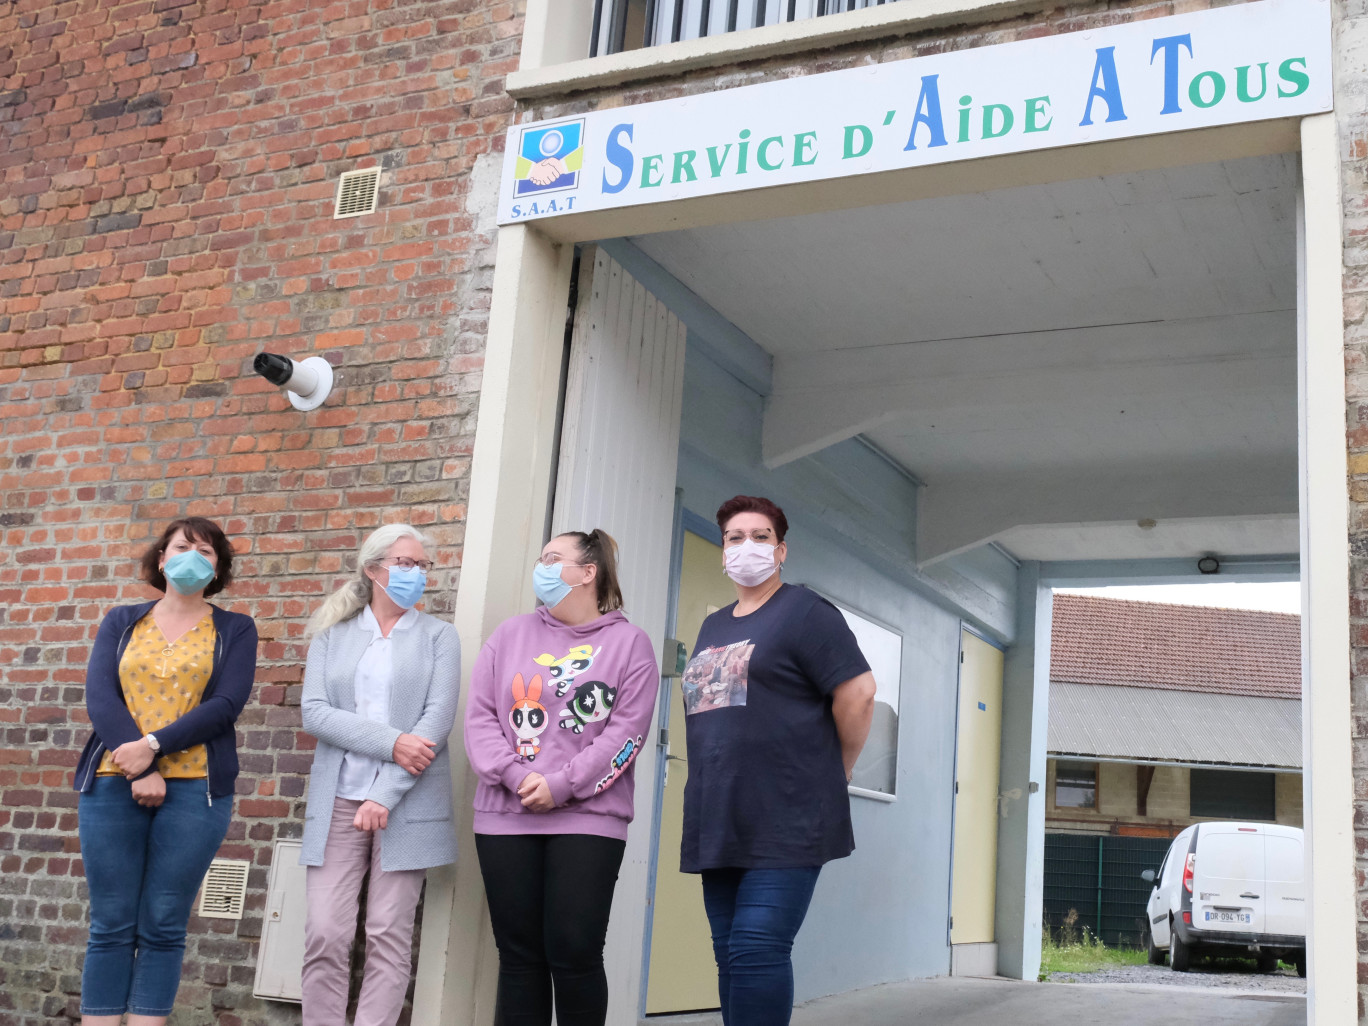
{"type": "Point", "coordinates": [167, 174]}
{"type": "Point", "coordinates": [1351, 109]}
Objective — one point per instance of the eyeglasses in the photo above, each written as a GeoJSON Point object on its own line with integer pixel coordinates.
{"type": "Point", "coordinates": [555, 559]}
{"type": "Point", "coordinates": [761, 534]}
{"type": "Point", "coordinates": [404, 563]}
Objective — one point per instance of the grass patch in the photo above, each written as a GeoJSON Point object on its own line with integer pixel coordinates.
{"type": "Point", "coordinates": [1087, 955]}
{"type": "Point", "coordinates": [1071, 950]}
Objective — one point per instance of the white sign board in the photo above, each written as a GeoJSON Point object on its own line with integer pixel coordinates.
{"type": "Point", "coordinates": [1244, 62]}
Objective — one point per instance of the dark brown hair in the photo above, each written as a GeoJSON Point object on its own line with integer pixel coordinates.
{"type": "Point", "coordinates": [196, 529]}
{"type": "Point", "coordinates": [753, 504]}
{"type": "Point", "coordinates": [599, 548]}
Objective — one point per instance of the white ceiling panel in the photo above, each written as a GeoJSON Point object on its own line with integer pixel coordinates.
{"type": "Point", "coordinates": [1067, 329]}
{"type": "Point", "coordinates": [1195, 241]}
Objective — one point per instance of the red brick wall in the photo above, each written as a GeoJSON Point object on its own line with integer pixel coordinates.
{"type": "Point", "coordinates": [167, 174]}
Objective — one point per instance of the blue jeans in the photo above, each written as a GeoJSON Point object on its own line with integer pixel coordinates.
{"type": "Point", "coordinates": [754, 915]}
{"type": "Point", "coordinates": [143, 868]}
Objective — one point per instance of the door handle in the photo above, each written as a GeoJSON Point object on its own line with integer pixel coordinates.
{"type": "Point", "coordinates": [1246, 894]}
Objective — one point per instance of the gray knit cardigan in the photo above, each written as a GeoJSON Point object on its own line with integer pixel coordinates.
{"type": "Point", "coordinates": [427, 680]}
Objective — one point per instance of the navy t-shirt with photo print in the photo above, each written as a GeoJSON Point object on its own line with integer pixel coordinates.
{"type": "Point", "coordinates": [767, 786]}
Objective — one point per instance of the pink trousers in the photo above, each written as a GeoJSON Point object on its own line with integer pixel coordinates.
{"type": "Point", "coordinates": [330, 927]}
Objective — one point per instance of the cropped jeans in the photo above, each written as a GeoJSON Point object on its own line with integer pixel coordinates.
{"type": "Point", "coordinates": [143, 868]}
{"type": "Point", "coordinates": [754, 915]}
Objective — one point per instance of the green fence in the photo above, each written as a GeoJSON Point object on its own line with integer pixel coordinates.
{"type": "Point", "coordinates": [1098, 877]}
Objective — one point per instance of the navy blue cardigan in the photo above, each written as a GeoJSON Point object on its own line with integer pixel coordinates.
{"type": "Point", "coordinates": [211, 723]}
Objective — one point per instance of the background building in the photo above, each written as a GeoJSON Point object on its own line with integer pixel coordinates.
{"type": "Point", "coordinates": [1160, 716]}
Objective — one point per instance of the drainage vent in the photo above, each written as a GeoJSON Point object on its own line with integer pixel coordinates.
{"type": "Point", "coordinates": [357, 193]}
{"type": "Point", "coordinates": [225, 889]}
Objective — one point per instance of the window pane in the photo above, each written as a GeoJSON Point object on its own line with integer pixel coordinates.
{"type": "Point", "coordinates": [1076, 785]}
{"type": "Point", "coordinates": [1231, 794]}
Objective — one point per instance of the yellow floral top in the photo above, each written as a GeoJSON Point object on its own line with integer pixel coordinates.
{"type": "Point", "coordinates": [161, 682]}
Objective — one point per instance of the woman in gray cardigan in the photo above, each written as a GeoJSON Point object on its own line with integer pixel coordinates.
{"type": "Point", "coordinates": [380, 690]}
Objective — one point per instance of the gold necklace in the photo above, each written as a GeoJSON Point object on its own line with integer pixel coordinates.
{"type": "Point", "coordinates": [167, 653]}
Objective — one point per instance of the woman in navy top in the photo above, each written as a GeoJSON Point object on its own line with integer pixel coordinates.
{"type": "Point", "coordinates": [778, 701]}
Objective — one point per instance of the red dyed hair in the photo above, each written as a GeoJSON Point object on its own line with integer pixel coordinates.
{"type": "Point", "coordinates": [753, 504]}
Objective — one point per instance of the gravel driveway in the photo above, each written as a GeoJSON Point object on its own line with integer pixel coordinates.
{"type": "Point", "coordinates": [1284, 981]}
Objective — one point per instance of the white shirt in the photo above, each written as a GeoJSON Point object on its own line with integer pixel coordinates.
{"type": "Point", "coordinates": [374, 677]}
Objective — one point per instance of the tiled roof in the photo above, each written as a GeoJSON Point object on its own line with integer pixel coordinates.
{"type": "Point", "coordinates": [1179, 648]}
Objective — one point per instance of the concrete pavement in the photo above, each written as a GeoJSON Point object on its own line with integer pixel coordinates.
{"type": "Point", "coordinates": [964, 1001]}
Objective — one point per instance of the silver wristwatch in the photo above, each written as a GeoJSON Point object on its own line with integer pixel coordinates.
{"type": "Point", "coordinates": [152, 742]}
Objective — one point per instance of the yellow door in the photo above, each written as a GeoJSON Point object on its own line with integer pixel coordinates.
{"type": "Point", "coordinates": [977, 754]}
{"type": "Point", "coordinates": [683, 975]}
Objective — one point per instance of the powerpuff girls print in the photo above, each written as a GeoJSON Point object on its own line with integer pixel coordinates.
{"type": "Point", "coordinates": [591, 701]}
{"type": "Point", "coordinates": [563, 671]}
{"type": "Point", "coordinates": [528, 716]}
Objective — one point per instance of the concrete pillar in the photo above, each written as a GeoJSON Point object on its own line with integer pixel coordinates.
{"type": "Point", "coordinates": [1021, 804]}
{"type": "Point", "coordinates": [510, 488]}
{"type": "Point", "coordinates": [1332, 646]}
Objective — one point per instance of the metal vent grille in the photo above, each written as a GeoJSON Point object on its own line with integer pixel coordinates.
{"type": "Point", "coordinates": [358, 192]}
{"type": "Point", "coordinates": [225, 889]}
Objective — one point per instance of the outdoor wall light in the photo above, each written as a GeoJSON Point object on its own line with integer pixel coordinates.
{"type": "Point", "coordinates": [1208, 565]}
{"type": "Point", "coordinates": [309, 381]}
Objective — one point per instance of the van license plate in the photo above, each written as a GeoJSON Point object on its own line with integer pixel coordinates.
{"type": "Point", "coordinates": [1227, 917]}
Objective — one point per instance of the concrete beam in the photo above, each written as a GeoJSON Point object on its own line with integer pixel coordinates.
{"type": "Point", "coordinates": [960, 514]}
{"type": "Point", "coordinates": [1089, 573]}
{"type": "Point", "coordinates": [825, 397]}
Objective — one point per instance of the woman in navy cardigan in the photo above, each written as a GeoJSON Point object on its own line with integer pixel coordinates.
{"type": "Point", "coordinates": [165, 685]}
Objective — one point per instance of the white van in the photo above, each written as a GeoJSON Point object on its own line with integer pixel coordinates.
{"type": "Point", "coordinates": [1230, 888]}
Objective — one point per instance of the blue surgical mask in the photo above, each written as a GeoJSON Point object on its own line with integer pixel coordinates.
{"type": "Point", "coordinates": [406, 585]}
{"type": "Point", "coordinates": [547, 583]}
{"type": "Point", "coordinates": [188, 572]}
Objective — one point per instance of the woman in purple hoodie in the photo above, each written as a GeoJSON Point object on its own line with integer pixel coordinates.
{"type": "Point", "coordinates": [560, 703]}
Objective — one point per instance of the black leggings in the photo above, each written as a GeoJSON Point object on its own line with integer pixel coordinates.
{"type": "Point", "coordinates": [549, 899]}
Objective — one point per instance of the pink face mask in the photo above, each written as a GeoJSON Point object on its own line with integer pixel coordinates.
{"type": "Point", "coordinates": [749, 563]}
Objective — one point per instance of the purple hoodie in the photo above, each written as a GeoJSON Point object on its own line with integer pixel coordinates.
{"type": "Point", "coordinates": [571, 703]}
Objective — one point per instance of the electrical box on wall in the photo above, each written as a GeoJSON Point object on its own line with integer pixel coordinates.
{"type": "Point", "coordinates": [280, 958]}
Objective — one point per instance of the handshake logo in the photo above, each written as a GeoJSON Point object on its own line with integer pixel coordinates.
{"type": "Point", "coordinates": [550, 159]}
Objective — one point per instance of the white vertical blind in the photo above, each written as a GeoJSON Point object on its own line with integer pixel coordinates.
{"type": "Point", "coordinates": [717, 14]}
{"type": "Point", "coordinates": [619, 450]}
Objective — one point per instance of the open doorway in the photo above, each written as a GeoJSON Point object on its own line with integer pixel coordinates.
{"type": "Point", "coordinates": [952, 396]}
